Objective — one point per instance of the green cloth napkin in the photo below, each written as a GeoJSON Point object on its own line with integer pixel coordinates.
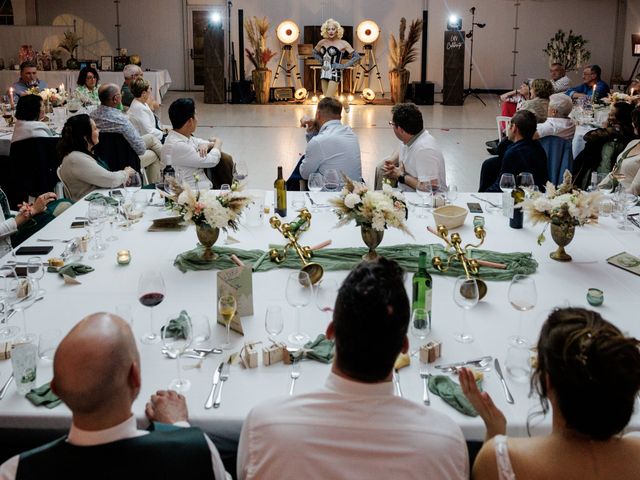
{"type": "Point", "coordinates": [320, 349]}
{"type": "Point", "coordinates": [43, 396]}
{"type": "Point", "coordinates": [452, 394]}
{"type": "Point", "coordinates": [333, 259]}
{"type": "Point", "coordinates": [177, 326]}
{"type": "Point", "coordinates": [97, 195]}
{"type": "Point", "coordinates": [72, 270]}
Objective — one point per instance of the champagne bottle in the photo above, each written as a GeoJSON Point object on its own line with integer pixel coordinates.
{"type": "Point", "coordinates": [518, 197]}
{"type": "Point", "coordinates": [422, 288]}
{"type": "Point", "coordinates": [280, 187]}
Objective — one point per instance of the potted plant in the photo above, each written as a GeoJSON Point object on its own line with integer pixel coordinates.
{"type": "Point", "coordinates": [260, 56]}
{"type": "Point", "coordinates": [401, 53]}
{"type": "Point", "coordinates": [568, 50]}
{"type": "Point", "coordinates": [70, 44]}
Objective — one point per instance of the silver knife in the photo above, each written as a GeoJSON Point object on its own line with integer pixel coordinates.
{"type": "Point", "coordinates": [216, 378]}
{"type": "Point", "coordinates": [5, 387]}
{"type": "Point", "coordinates": [486, 358]}
{"type": "Point", "coordinates": [507, 393]}
{"type": "Point", "coordinates": [224, 376]}
{"type": "Point", "coordinates": [396, 383]}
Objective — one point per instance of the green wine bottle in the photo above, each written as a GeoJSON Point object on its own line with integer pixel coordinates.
{"type": "Point", "coordinates": [280, 187]}
{"type": "Point", "coordinates": [422, 289]}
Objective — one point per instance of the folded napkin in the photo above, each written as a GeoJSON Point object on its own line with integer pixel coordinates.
{"type": "Point", "coordinates": [97, 195]}
{"type": "Point", "coordinates": [176, 328]}
{"type": "Point", "coordinates": [452, 394]}
{"type": "Point", "coordinates": [320, 349]}
{"type": "Point", "coordinates": [43, 396]}
{"type": "Point", "coordinates": [72, 270]}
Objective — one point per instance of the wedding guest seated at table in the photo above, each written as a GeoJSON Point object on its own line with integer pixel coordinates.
{"type": "Point", "coordinates": [589, 372]}
{"type": "Point", "coordinates": [590, 78]}
{"type": "Point", "coordinates": [190, 155]}
{"type": "Point", "coordinates": [419, 154]}
{"type": "Point", "coordinates": [88, 85]}
{"type": "Point", "coordinates": [558, 122]}
{"type": "Point", "coordinates": [131, 73]}
{"type": "Point", "coordinates": [355, 427]}
{"type": "Point", "coordinates": [28, 79]}
{"type": "Point", "coordinates": [511, 101]}
{"type": "Point", "coordinates": [330, 145]}
{"type": "Point", "coordinates": [29, 115]}
{"type": "Point", "coordinates": [81, 171]}
{"type": "Point", "coordinates": [109, 119]}
{"type": "Point", "coordinates": [96, 373]}
{"type": "Point", "coordinates": [559, 79]}
{"type": "Point", "coordinates": [538, 103]}
{"type": "Point", "coordinates": [139, 112]}
{"type": "Point", "coordinates": [524, 155]}
{"type": "Point", "coordinates": [604, 145]}
{"type": "Point", "coordinates": [627, 167]}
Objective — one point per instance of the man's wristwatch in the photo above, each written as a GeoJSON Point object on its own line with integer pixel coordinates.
{"type": "Point", "coordinates": [401, 178]}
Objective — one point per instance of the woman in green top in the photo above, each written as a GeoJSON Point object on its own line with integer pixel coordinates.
{"type": "Point", "coordinates": [88, 84]}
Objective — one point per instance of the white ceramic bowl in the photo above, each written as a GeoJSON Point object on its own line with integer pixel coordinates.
{"type": "Point", "coordinates": [451, 216]}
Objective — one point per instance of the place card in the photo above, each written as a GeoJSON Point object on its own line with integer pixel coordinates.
{"type": "Point", "coordinates": [430, 352]}
{"type": "Point", "coordinates": [237, 281]}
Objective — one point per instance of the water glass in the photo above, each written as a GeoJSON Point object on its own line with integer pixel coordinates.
{"type": "Point", "coordinates": [273, 321]}
{"type": "Point", "coordinates": [331, 180]}
{"type": "Point", "coordinates": [466, 295]}
{"type": "Point", "coordinates": [123, 310]}
{"type": "Point", "coordinates": [298, 293]}
{"type": "Point", "coordinates": [49, 341]}
{"type": "Point", "coordinates": [523, 296]}
{"type": "Point", "coordinates": [24, 361]}
{"type": "Point", "coordinates": [518, 363]}
{"type": "Point", "coordinates": [201, 330]}
{"type": "Point", "coordinates": [424, 191]}
{"type": "Point", "coordinates": [315, 182]}
{"type": "Point", "coordinates": [176, 341]}
{"type": "Point", "coordinates": [420, 324]}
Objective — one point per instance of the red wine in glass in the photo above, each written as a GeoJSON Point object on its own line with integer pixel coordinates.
{"type": "Point", "coordinates": [151, 293]}
{"type": "Point", "coordinates": [151, 299]}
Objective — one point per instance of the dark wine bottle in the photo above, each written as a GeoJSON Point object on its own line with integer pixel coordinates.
{"type": "Point", "coordinates": [518, 197]}
{"type": "Point", "coordinates": [280, 187]}
{"type": "Point", "coordinates": [422, 289]}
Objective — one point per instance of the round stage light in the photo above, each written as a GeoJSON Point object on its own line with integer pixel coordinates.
{"type": "Point", "coordinates": [350, 98]}
{"type": "Point", "coordinates": [368, 95]}
{"type": "Point", "coordinates": [314, 99]}
{"type": "Point", "coordinates": [216, 18]}
{"type": "Point", "coordinates": [301, 94]}
{"type": "Point", "coordinates": [288, 32]}
{"type": "Point", "coordinates": [368, 31]}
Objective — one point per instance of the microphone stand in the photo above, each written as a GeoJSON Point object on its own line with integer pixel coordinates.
{"type": "Point", "coordinates": [470, 91]}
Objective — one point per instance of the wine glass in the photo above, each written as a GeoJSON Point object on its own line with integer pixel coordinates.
{"type": "Point", "coordinates": [331, 180]}
{"type": "Point", "coordinates": [420, 324]}
{"type": "Point", "coordinates": [95, 220]}
{"type": "Point", "coordinates": [525, 181]}
{"type": "Point", "coordinates": [452, 193]}
{"type": "Point", "coordinates": [424, 191]}
{"type": "Point", "coordinates": [36, 271]}
{"type": "Point", "coordinates": [7, 333]}
{"type": "Point", "coordinates": [326, 292]}
{"type": "Point", "coordinates": [523, 297]}
{"type": "Point", "coordinates": [240, 171]}
{"type": "Point", "coordinates": [151, 292]}
{"type": "Point", "coordinates": [112, 214]}
{"type": "Point", "coordinates": [133, 184]}
{"type": "Point", "coordinates": [316, 182]}
{"type": "Point", "coordinates": [298, 294]}
{"type": "Point", "coordinates": [507, 183]}
{"type": "Point", "coordinates": [273, 321]}
{"type": "Point", "coordinates": [177, 335]}
{"type": "Point", "coordinates": [466, 296]}
{"type": "Point", "coordinates": [227, 307]}
{"type": "Point", "coordinates": [21, 295]}
{"type": "Point", "coordinates": [627, 200]}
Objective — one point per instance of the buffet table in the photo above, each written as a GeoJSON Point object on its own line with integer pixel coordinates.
{"type": "Point", "coordinates": [160, 80]}
{"type": "Point", "coordinates": [491, 321]}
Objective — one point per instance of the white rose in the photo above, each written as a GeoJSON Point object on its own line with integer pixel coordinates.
{"type": "Point", "coordinates": [351, 200]}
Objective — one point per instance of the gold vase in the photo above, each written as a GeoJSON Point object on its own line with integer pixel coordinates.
{"type": "Point", "coordinates": [207, 236]}
{"type": "Point", "coordinates": [372, 239]}
{"type": "Point", "coordinates": [562, 235]}
{"type": "Point", "coordinates": [261, 82]}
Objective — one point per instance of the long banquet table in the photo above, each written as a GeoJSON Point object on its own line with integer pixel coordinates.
{"type": "Point", "coordinates": [491, 322]}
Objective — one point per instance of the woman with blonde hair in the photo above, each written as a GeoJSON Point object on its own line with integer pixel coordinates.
{"type": "Point", "coordinates": [330, 51]}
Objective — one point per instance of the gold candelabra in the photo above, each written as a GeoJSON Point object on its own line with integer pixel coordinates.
{"type": "Point", "coordinates": [471, 266]}
{"type": "Point", "coordinates": [291, 232]}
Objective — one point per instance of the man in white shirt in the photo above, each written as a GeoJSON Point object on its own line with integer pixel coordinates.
{"type": "Point", "coordinates": [558, 122]}
{"type": "Point", "coordinates": [419, 157]}
{"type": "Point", "coordinates": [334, 147]}
{"type": "Point", "coordinates": [355, 427]}
{"type": "Point", "coordinates": [559, 79]}
{"type": "Point", "coordinates": [96, 373]}
{"type": "Point", "coordinates": [189, 155]}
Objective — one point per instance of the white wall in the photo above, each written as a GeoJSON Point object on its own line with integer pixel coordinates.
{"type": "Point", "coordinates": [154, 29]}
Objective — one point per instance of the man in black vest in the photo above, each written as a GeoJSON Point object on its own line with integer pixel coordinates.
{"type": "Point", "coordinates": [96, 372]}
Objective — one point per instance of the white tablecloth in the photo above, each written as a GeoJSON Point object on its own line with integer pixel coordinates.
{"type": "Point", "coordinates": [491, 322]}
{"type": "Point", "coordinates": [160, 80]}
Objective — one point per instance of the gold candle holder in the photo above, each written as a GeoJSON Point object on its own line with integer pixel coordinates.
{"type": "Point", "coordinates": [123, 257]}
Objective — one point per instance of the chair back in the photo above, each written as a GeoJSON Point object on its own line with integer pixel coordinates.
{"type": "Point", "coordinates": [502, 122]}
{"type": "Point", "coordinates": [559, 157]}
{"type": "Point", "coordinates": [31, 169]}
{"type": "Point", "coordinates": [65, 191]}
{"type": "Point", "coordinates": [114, 149]}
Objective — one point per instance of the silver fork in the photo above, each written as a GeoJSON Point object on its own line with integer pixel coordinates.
{"type": "Point", "coordinates": [424, 374]}
{"type": "Point", "coordinates": [295, 373]}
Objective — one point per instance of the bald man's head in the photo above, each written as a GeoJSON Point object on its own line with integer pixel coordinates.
{"type": "Point", "coordinates": [96, 366]}
{"type": "Point", "coordinates": [109, 94]}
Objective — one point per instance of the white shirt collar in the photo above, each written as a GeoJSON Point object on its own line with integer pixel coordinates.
{"type": "Point", "coordinates": [179, 136]}
{"type": "Point", "coordinates": [345, 386]}
{"type": "Point", "coordinates": [86, 438]}
{"type": "Point", "coordinates": [328, 124]}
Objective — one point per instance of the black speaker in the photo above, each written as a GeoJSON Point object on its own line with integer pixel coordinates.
{"type": "Point", "coordinates": [421, 93]}
{"type": "Point", "coordinates": [241, 92]}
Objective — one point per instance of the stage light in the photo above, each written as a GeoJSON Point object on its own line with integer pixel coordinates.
{"type": "Point", "coordinates": [288, 32]}
{"type": "Point", "coordinates": [368, 31]}
{"type": "Point", "coordinates": [350, 98]}
{"type": "Point", "coordinates": [454, 23]}
{"type": "Point", "coordinates": [368, 95]}
{"type": "Point", "coordinates": [301, 94]}
{"type": "Point", "coordinates": [216, 18]}
{"type": "Point", "coordinates": [314, 99]}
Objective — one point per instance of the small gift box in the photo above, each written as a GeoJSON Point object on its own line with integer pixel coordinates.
{"type": "Point", "coordinates": [275, 353]}
{"type": "Point", "coordinates": [249, 355]}
{"type": "Point", "coordinates": [430, 352]}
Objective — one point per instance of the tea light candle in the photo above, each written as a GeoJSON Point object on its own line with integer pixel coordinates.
{"type": "Point", "coordinates": [11, 98]}
{"type": "Point", "coordinates": [61, 88]}
{"type": "Point", "coordinates": [124, 257]}
{"type": "Point", "coordinates": [595, 297]}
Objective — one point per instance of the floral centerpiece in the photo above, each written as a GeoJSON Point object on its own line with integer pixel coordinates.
{"type": "Point", "coordinates": [56, 97]}
{"type": "Point", "coordinates": [372, 210]}
{"type": "Point", "coordinates": [208, 211]}
{"type": "Point", "coordinates": [564, 208]}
